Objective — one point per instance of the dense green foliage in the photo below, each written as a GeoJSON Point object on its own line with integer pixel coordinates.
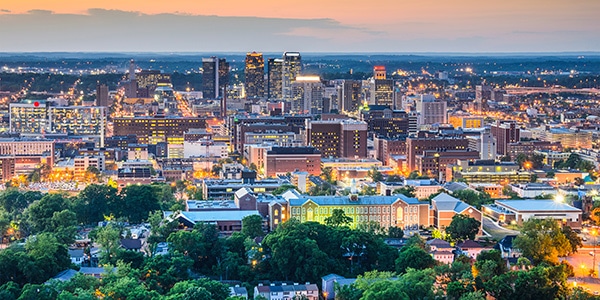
{"type": "Point", "coordinates": [295, 251]}
{"type": "Point", "coordinates": [463, 228]}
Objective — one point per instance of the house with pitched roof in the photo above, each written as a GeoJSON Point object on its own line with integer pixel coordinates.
{"type": "Point", "coordinates": [287, 291]}
{"type": "Point", "coordinates": [444, 207]}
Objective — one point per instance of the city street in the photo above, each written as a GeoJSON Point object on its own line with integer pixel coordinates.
{"type": "Point", "coordinates": [495, 230]}
{"type": "Point", "coordinates": [582, 263]}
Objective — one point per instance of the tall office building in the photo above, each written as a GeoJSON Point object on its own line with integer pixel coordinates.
{"type": "Point", "coordinates": [338, 138]}
{"type": "Point", "coordinates": [148, 80]}
{"type": "Point", "coordinates": [131, 84]}
{"type": "Point", "coordinates": [483, 93]}
{"type": "Point", "coordinates": [274, 77]}
{"type": "Point", "coordinates": [382, 89]}
{"type": "Point", "coordinates": [223, 76]}
{"type": "Point", "coordinates": [37, 118]}
{"type": "Point", "coordinates": [379, 72]}
{"type": "Point", "coordinates": [485, 143]}
{"type": "Point", "coordinates": [102, 95]}
{"type": "Point", "coordinates": [255, 77]}
{"type": "Point", "coordinates": [308, 95]}
{"type": "Point", "coordinates": [433, 112]}
{"type": "Point", "coordinates": [505, 133]}
{"type": "Point", "coordinates": [350, 95]}
{"type": "Point", "coordinates": [292, 66]}
{"type": "Point", "coordinates": [215, 77]}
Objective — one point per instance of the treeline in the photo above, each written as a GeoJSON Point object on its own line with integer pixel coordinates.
{"type": "Point", "coordinates": [26, 213]}
{"type": "Point", "coordinates": [198, 258]}
{"type": "Point", "coordinates": [55, 83]}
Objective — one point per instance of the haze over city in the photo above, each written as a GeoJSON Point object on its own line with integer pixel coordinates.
{"type": "Point", "coordinates": [309, 26]}
{"type": "Point", "coordinates": [299, 150]}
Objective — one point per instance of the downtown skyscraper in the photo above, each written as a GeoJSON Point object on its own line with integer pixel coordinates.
{"type": "Point", "coordinates": [254, 74]}
{"type": "Point", "coordinates": [215, 77]}
{"type": "Point", "coordinates": [275, 66]}
{"type": "Point", "coordinates": [292, 66]}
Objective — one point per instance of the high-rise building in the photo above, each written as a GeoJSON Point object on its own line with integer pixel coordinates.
{"type": "Point", "coordinates": [350, 95]}
{"type": "Point", "coordinates": [379, 72]}
{"type": "Point", "coordinates": [28, 118]}
{"type": "Point", "coordinates": [485, 143]}
{"type": "Point", "coordinates": [385, 122]}
{"type": "Point", "coordinates": [338, 138]}
{"type": "Point", "coordinates": [77, 121]}
{"type": "Point", "coordinates": [131, 84]}
{"type": "Point", "coordinates": [255, 77]}
{"type": "Point", "coordinates": [38, 118]}
{"type": "Point", "coordinates": [102, 95]}
{"type": "Point", "coordinates": [308, 95]}
{"type": "Point", "coordinates": [223, 76]}
{"type": "Point", "coordinates": [274, 79]}
{"type": "Point", "coordinates": [417, 145]}
{"type": "Point", "coordinates": [292, 66]}
{"type": "Point", "coordinates": [381, 88]}
{"type": "Point", "coordinates": [483, 93]}
{"type": "Point", "coordinates": [505, 133]}
{"type": "Point", "coordinates": [148, 80]}
{"type": "Point", "coordinates": [153, 130]}
{"type": "Point", "coordinates": [433, 112]}
{"type": "Point", "coordinates": [215, 77]}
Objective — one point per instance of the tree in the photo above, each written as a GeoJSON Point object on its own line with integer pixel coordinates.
{"type": "Point", "coordinates": [40, 213]}
{"type": "Point", "coordinates": [463, 227]}
{"type": "Point", "coordinates": [252, 226]}
{"type": "Point", "coordinates": [14, 202]}
{"type": "Point", "coordinates": [538, 283]}
{"type": "Point", "coordinates": [109, 238]}
{"type": "Point", "coordinates": [164, 272]}
{"type": "Point", "coordinates": [505, 158]}
{"type": "Point", "coordinates": [138, 202]}
{"type": "Point", "coordinates": [65, 226]}
{"type": "Point", "coordinates": [393, 178]}
{"type": "Point", "coordinates": [327, 175]}
{"type": "Point", "coordinates": [375, 175]}
{"type": "Point", "coordinates": [338, 218]}
{"type": "Point", "coordinates": [574, 240]}
{"type": "Point", "coordinates": [202, 245]}
{"type": "Point", "coordinates": [46, 257]}
{"type": "Point", "coordinates": [473, 198]}
{"type": "Point", "coordinates": [283, 188]}
{"type": "Point", "coordinates": [384, 290]}
{"type": "Point", "coordinates": [413, 257]}
{"type": "Point", "coordinates": [395, 232]}
{"type": "Point", "coordinates": [489, 264]}
{"type": "Point", "coordinates": [542, 240]}
{"type": "Point", "coordinates": [408, 191]}
{"type": "Point", "coordinates": [418, 284]}
{"type": "Point", "coordinates": [95, 202]}
{"type": "Point", "coordinates": [595, 215]}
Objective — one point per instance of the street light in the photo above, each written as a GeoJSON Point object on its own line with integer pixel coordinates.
{"type": "Point", "coordinates": [559, 198]}
{"type": "Point", "coordinates": [594, 256]}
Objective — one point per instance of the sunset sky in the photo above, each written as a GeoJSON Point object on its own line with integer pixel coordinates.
{"type": "Point", "coordinates": [309, 25]}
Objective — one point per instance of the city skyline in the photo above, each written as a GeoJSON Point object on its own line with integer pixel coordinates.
{"type": "Point", "coordinates": [309, 26]}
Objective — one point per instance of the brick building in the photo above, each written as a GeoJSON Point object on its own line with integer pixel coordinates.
{"type": "Point", "coordinates": [338, 138]}
{"type": "Point", "coordinates": [282, 160]}
{"type": "Point", "coordinates": [425, 141]}
{"type": "Point", "coordinates": [505, 133]}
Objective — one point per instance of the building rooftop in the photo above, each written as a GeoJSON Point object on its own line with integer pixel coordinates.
{"type": "Point", "coordinates": [293, 150]}
{"type": "Point", "coordinates": [213, 216]}
{"type": "Point", "coordinates": [209, 205]}
{"type": "Point", "coordinates": [346, 200]}
{"type": "Point", "coordinates": [537, 205]}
